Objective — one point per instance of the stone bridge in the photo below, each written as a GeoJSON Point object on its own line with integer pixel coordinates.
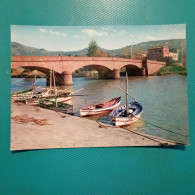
{"type": "Point", "coordinates": [107, 67]}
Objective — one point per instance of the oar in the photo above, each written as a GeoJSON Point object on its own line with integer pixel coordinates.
{"type": "Point", "coordinates": [125, 92]}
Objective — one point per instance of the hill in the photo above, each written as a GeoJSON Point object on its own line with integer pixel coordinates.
{"type": "Point", "coordinates": [19, 49]}
{"type": "Point", "coordinates": [173, 44]}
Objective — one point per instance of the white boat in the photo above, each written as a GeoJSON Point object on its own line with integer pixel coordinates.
{"type": "Point", "coordinates": [120, 117]}
{"type": "Point", "coordinates": [100, 108]}
{"type": "Point", "coordinates": [126, 114]}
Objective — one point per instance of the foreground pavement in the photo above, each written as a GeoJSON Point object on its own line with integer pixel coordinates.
{"type": "Point", "coordinates": [38, 128]}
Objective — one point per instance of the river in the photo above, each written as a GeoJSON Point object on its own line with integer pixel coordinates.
{"type": "Point", "coordinates": [164, 100]}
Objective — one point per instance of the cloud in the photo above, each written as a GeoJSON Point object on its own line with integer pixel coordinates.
{"type": "Point", "coordinates": [91, 33]}
{"type": "Point", "coordinates": [106, 28]}
{"type": "Point", "coordinates": [131, 35]}
{"type": "Point", "coordinates": [120, 32]}
{"type": "Point", "coordinates": [79, 37]}
{"type": "Point", "coordinates": [76, 36]}
{"type": "Point", "coordinates": [150, 38]}
{"type": "Point", "coordinates": [43, 30]}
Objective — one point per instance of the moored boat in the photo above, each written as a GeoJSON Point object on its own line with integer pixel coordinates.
{"type": "Point", "coordinates": [56, 106]}
{"type": "Point", "coordinates": [32, 96]}
{"type": "Point", "coordinates": [100, 108]}
{"type": "Point", "coordinates": [126, 114]}
{"type": "Point", "coordinates": [120, 117]}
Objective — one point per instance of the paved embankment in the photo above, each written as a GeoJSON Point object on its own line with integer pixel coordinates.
{"type": "Point", "coordinates": [68, 132]}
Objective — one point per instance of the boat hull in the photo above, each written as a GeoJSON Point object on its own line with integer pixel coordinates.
{"type": "Point", "coordinates": [120, 118]}
{"type": "Point", "coordinates": [57, 106]}
{"type": "Point", "coordinates": [124, 121]}
{"type": "Point", "coordinates": [99, 111]}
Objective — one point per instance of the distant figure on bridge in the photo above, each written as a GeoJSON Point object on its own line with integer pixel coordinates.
{"type": "Point", "coordinates": [59, 54]}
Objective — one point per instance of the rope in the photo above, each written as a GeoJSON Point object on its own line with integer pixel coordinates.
{"type": "Point", "coordinates": [20, 79]}
{"type": "Point", "coordinates": [17, 81]}
{"type": "Point", "coordinates": [126, 93]}
{"type": "Point", "coordinates": [161, 127]}
{"type": "Point", "coordinates": [127, 131]}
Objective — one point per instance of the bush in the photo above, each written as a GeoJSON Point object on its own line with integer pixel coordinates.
{"type": "Point", "coordinates": [173, 69]}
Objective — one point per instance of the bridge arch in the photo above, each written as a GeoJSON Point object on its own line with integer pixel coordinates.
{"type": "Point", "coordinates": [44, 70]}
{"type": "Point", "coordinates": [103, 71]}
{"type": "Point", "coordinates": [133, 70]}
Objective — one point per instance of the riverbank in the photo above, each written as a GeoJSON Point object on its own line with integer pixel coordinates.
{"type": "Point", "coordinates": [40, 128]}
{"type": "Point", "coordinates": [172, 69]}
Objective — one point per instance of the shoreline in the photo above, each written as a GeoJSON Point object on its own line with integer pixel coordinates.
{"type": "Point", "coordinates": [39, 76]}
{"type": "Point", "coordinates": [70, 132]}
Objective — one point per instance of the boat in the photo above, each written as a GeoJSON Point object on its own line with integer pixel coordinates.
{"type": "Point", "coordinates": [32, 96]}
{"type": "Point", "coordinates": [54, 102]}
{"type": "Point", "coordinates": [100, 108]}
{"type": "Point", "coordinates": [21, 93]}
{"type": "Point", "coordinates": [126, 114]}
{"type": "Point", "coordinates": [56, 106]}
{"type": "Point", "coordinates": [120, 117]}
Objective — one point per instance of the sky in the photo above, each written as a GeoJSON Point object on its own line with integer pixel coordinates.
{"type": "Point", "coordinates": [72, 38]}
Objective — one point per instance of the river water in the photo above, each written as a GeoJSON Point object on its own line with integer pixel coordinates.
{"type": "Point", "coordinates": [164, 100]}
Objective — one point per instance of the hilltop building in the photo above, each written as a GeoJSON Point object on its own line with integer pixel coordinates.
{"type": "Point", "coordinates": [162, 53]}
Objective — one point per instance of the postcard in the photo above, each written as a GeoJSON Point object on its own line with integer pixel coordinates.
{"type": "Point", "coordinates": [98, 86]}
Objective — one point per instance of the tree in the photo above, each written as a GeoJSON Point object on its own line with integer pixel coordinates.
{"type": "Point", "coordinates": [101, 53]}
{"type": "Point", "coordinates": [92, 49]}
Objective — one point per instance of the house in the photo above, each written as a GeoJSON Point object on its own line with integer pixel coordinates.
{"type": "Point", "coordinates": [160, 53]}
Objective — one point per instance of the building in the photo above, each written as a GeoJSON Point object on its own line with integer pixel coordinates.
{"type": "Point", "coordinates": [173, 56]}
{"type": "Point", "coordinates": [160, 53]}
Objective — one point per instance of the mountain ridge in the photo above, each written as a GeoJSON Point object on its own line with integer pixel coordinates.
{"type": "Point", "coordinates": [20, 49]}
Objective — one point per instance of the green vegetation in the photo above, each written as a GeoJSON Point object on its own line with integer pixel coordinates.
{"type": "Point", "coordinates": [92, 49]}
{"type": "Point", "coordinates": [172, 69]}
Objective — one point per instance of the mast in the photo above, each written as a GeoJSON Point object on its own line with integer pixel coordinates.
{"type": "Point", "coordinates": [127, 106]}
{"type": "Point", "coordinates": [33, 84]}
{"type": "Point", "coordinates": [54, 83]}
{"type": "Point", "coordinates": [50, 83]}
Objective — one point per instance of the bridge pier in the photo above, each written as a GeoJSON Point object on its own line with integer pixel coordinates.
{"type": "Point", "coordinates": [66, 78]}
{"type": "Point", "coordinates": [109, 74]}
{"type": "Point", "coordinates": [61, 79]}
{"type": "Point", "coordinates": [116, 74]}
{"type": "Point", "coordinates": [143, 71]}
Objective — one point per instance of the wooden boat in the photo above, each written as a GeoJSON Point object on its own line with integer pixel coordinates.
{"type": "Point", "coordinates": [100, 108]}
{"type": "Point", "coordinates": [26, 94]}
{"type": "Point", "coordinates": [32, 96]}
{"type": "Point", "coordinates": [126, 114]}
{"type": "Point", "coordinates": [21, 93]}
{"type": "Point", "coordinates": [54, 102]}
{"type": "Point", "coordinates": [56, 106]}
{"type": "Point", "coordinates": [120, 117]}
